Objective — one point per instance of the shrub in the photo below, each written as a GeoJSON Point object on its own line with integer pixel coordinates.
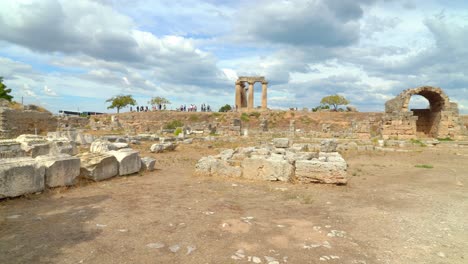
{"type": "Point", "coordinates": [256, 114]}
{"type": "Point", "coordinates": [445, 139]}
{"type": "Point", "coordinates": [244, 117]}
{"type": "Point", "coordinates": [174, 124]}
{"type": "Point", "coordinates": [178, 131]}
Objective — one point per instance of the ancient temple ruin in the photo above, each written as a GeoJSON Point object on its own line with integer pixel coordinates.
{"type": "Point", "coordinates": [440, 120]}
{"type": "Point", "coordinates": [247, 102]}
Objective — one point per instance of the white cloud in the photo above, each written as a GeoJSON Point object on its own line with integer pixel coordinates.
{"type": "Point", "coordinates": [48, 91]}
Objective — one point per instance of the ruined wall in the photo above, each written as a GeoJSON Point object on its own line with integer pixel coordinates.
{"type": "Point", "coordinates": [66, 122]}
{"type": "Point", "coordinates": [16, 122]}
{"type": "Point", "coordinates": [318, 124]}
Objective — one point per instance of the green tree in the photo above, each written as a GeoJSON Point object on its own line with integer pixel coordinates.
{"type": "Point", "coordinates": [120, 101]}
{"type": "Point", "coordinates": [4, 91]}
{"type": "Point", "coordinates": [225, 108]}
{"type": "Point", "coordinates": [158, 100]}
{"type": "Point", "coordinates": [334, 101]}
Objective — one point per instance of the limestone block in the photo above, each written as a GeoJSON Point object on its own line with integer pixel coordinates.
{"type": "Point", "coordinates": [147, 164]}
{"type": "Point", "coordinates": [292, 157]}
{"type": "Point", "coordinates": [210, 166]}
{"type": "Point", "coordinates": [34, 145]}
{"type": "Point", "coordinates": [267, 169]}
{"type": "Point", "coordinates": [299, 147]}
{"type": "Point", "coordinates": [226, 154]}
{"type": "Point", "coordinates": [129, 161]}
{"type": "Point", "coordinates": [20, 176]}
{"type": "Point", "coordinates": [318, 171]}
{"type": "Point", "coordinates": [11, 149]}
{"type": "Point", "coordinates": [60, 170]}
{"type": "Point", "coordinates": [328, 145]}
{"type": "Point", "coordinates": [98, 166]}
{"type": "Point", "coordinates": [188, 141]}
{"type": "Point", "coordinates": [281, 142]}
{"type": "Point", "coordinates": [161, 147]}
{"type": "Point", "coordinates": [101, 146]}
{"type": "Point", "coordinates": [63, 146]}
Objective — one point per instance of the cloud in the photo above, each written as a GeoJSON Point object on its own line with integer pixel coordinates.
{"type": "Point", "coordinates": [49, 91]}
{"type": "Point", "coordinates": [90, 29]}
{"type": "Point", "coordinates": [302, 22]}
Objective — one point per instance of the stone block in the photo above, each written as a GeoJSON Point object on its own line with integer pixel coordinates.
{"type": "Point", "coordinates": [129, 161]}
{"type": "Point", "coordinates": [98, 166]}
{"type": "Point", "coordinates": [318, 171]}
{"type": "Point", "coordinates": [63, 146]}
{"type": "Point", "coordinates": [102, 146]}
{"type": "Point", "coordinates": [281, 142]}
{"type": "Point", "coordinates": [328, 145]}
{"type": "Point", "coordinates": [210, 166]}
{"type": "Point", "coordinates": [147, 164]}
{"type": "Point", "coordinates": [60, 170]}
{"type": "Point", "coordinates": [20, 176]}
{"type": "Point", "coordinates": [161, 147]}
{"type": "Point", "coordinates": [267, 169]}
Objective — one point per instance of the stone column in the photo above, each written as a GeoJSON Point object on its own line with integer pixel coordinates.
{"type": "Point", "coordinates": [264, 95]}
{"type": "Point", "coordinates": [251, 95]}
{"type": "Point", "coordinates": [238, 95]}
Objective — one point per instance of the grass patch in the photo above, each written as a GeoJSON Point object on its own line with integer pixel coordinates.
{"type": "Point", "coordinates": [244, 117]}
{"type": "Point", "coordinates": [417, 142]}
{"type": "Point", "coordinates": [255, 114]}
{"type": "Point", "coordinates": [178, 131]}
{"type": "Point", "coordinates": [194, 118]}
{"type": "Point", "coordinates": [174, 124]}
{"type": "Point", "coordinates": [445, 139]}
{"type": "Point", "coordinates": [424, 166]}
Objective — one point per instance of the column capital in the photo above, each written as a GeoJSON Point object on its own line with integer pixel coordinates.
{"type": "Point", "coordinates": [251, 82]}
{"type": "Point", "coordinates": [238, 82]}
{"type": "Point", "coordinates": [265, 82]}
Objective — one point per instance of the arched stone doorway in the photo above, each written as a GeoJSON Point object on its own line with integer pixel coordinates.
{"type": "Point", "coordinates": [440, 119]}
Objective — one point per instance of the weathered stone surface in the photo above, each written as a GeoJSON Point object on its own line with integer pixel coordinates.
{"type": "Point", "coordinates": [98, 166]}
{"type": "Point", "coordinates": [129, 161]}
{"type": "Point", "coordinates": [11, 149]}
{"type": "Point", "coordinates": [161, 147]}
{"type": "Point", "coordinates": [266, 163]}
{"type": "Point", "coordinates": [328, 145]}
{"type": "Point", "coordinates": [62, 146]}
{"type": "Point", "coordinates": [147, 164]}
{"type": "Point", "coordinates": [330, 170]}
{"type": "Point", "coordinates": [267, 169]}
{"type": "Point", "coordinates": [281, 142]}
{"type": "Point", "coordinates": [102, 146]}
{"type": "Point", "coordinates": [60, 170]}
{"type": "Point", "coordinates": [210, 166]}
{"type": "Point", "coordinates": [20, 176]}
{"type": "Point", "coordinates": [34, 145]}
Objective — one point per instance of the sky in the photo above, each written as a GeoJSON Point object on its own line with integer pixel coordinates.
{"type": "Point", "coordinates": [73, 55]}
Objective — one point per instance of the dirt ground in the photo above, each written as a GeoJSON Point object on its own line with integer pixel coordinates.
{"type": "Point", "coordinates": [390, 212]}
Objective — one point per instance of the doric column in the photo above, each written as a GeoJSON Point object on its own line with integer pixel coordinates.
{"type": "Point", "coordinates": [238, 95]}
{"type": "Point", "coordinates": [264, 94]}
{"type": "Point", "coordinates": [251, 95]}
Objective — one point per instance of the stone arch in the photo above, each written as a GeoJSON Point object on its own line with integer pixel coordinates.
{"type": "Point", "coordinates": [438, 100]}
{"type": "Point", "coordinates": [437, 121]}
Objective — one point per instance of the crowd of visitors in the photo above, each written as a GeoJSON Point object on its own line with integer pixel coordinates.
{"type": "Point", "coordinates": [183, 108]}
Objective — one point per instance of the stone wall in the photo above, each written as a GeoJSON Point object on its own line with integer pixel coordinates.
{"type": "Point", "coordinates": [16, 122]}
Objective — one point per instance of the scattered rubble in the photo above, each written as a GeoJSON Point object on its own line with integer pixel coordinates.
{"type": "Point", "coordinates": [278, 162]}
